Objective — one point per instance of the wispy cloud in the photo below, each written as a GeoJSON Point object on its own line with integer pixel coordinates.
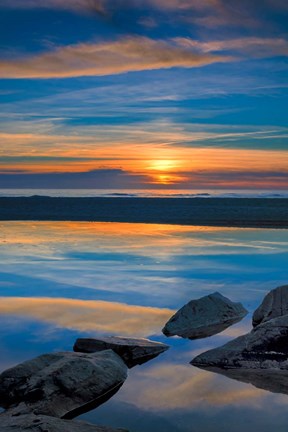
{"type": "Point", "coordinates": [75, 5]}
{"type": "Point", "coordinates": [255, 46]}
{"type": "Point", "coordinates": [107, 58]}
{"type": "Point", "coordinates": [142, 140]}
{"type": "Point", "coordinates": [98, 178]}
{"type": "Point", "coordinates": [205, 13]}
{"type": "Point", "coordinates": [216, 13]}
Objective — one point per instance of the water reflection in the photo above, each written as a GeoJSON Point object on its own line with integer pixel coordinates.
{"type": "Point", "coordinates": [273, 380]}
{"type": "Point", "coordinates": [60, 281]}
{"type": "Point", "coordinates": [85, 315]}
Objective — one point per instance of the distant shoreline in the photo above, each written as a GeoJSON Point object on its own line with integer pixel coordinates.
{"type": "Point", "coordinates": [225, 212]}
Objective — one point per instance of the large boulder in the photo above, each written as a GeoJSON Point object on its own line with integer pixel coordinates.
{"type": "Point", "coordinates": [275, 304]}
{"type": "Point", "coordinates": [204, 317]}
{"type": "Point", "coordinates": [265, 347]}
{"type": "Point", "coordinates": [13, 422]}
{"type": "Point", "coordinates": [64, 384]}
{"type": "Point", "coordinates": [132, 351]}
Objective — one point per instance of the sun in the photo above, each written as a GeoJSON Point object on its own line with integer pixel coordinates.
{"type": "Point", "coordinates": [163, 165]}
{"type": "Point", "coordinates": [164, 171]}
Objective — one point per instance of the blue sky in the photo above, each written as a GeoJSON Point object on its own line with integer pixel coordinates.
{"type": "Point", "coordinates": [154, 93]}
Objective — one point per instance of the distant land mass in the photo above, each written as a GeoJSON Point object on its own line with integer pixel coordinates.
{"type": "Point", "coordinates": [228, 212]}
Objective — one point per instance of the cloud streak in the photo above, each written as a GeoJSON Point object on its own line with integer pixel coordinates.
{"type": "Point", "coordinates": [118, 178]}
{"type": "Point", "coordinates": [255, 46]}
{"type": "Point", "coordinates": [107, 58]}
{"type": "Point", "coordinates": [205, 13]}
{"type": "Point", "coordinates": [74, 5]}
{"type": "Point", "coordinates": [99, 178]}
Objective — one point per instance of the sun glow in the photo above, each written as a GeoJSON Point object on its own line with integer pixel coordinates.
{"type": "Point", "coordinates": [164, 171]}
{"type": "Point", "coordinates": [163, 165]}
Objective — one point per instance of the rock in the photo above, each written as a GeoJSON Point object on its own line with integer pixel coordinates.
{"type": "Point", "coordinates": [275, 304]}
{"type": "Point", "coordinates": [265, 347]}
{"type": "Point", "coordinates": [204, 317]}
{"type": "Point", "coordinates": [132, 351]}
{"type": "Point", "coordinates": [65, 384]}
{"type": "Point", "coordinates": [11, 422]}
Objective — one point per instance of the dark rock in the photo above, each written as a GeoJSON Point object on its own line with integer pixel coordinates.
{"type": "Point", "coordinates": [63, 385]}
{"type": "Point", "coordinates": [275, 304]}
{"type": "Point", "coordinates": [265, 347]}
{"type": "Point", "coordinates": [13, 422]}
{"type": "Point", "coordinates": [132, 351]}
{"type": "Point", "coordinates": [204, 317]}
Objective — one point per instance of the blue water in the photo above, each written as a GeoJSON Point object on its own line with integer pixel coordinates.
{"type": "Point", "coordinates": [210, 193]}
{"type": "Point", "coordinates": [59, 281]}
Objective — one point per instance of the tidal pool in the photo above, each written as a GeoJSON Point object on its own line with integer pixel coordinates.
{"type": "Point", "coordinates": [62, 280]}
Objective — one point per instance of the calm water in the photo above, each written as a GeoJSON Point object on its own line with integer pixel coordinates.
{"type": "Point", "coordinates": [62, 280]}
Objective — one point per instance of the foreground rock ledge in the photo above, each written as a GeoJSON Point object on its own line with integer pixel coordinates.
{"type": "Point", "coordinates": [41, 423]}
{"type": "Point", "coordinates": [132, 351]}
{"type": "Point", "coordinates": [275, 304]}
{"type": "Point", "coordinates": [204, 317]}
{"type": "Point", "coordinates": [63, 385]}
{"type": "Point", "coordinates": [265, 347]}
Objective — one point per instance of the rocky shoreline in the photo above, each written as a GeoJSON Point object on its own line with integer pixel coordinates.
{"type": "Point", "coordinates": [40, 393]}
{"type": "Point", "coordinates": [46, 393]}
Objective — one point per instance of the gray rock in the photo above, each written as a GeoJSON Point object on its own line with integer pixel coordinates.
{"type": "Point", "coordinates": [65, 384]}
{"type": "Point", "coordinates": [275, 304]}
{"type": "Point", "coordinates": [12, 422]}
{"type": "Point", "coordinates": [265, 347]}
{"type": "Point", "coordinates": [204, 317]}
{"type": "Point", "coordinates": [132, 351]}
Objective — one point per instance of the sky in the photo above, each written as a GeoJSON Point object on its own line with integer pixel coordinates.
{"type": "Point", "coordinates": [131, 94]}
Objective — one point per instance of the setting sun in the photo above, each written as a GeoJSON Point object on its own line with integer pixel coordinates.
{"type": "Point", "coordinates": [164, 165]}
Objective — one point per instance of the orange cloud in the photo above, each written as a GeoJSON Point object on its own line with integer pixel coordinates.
{"type": "Point", "coordinates": [146, 155]}
{"type": "Point", "coordinates": [96, 59]}
{"type": "Point", "coordinates": [150, 154]}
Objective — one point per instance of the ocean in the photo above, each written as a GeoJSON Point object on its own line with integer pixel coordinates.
{"type": "Point", "coordinates": [141, 193]}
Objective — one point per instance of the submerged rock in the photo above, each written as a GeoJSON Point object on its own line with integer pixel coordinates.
{"type": "Point", "coordinates": [12, 422]}
{"type": "Point", "coordinates": [64, 384]}
{"type": "Point", "coordinates": [275, 304]}
{"type": "Point", "coordinates": [265, 347]}
{"type": "Point", "coordinates": [132, 351]}
{"type": "Point", "coordinates": [204, 317]}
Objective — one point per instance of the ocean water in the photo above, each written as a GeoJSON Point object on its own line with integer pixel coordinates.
{"type": "Point", "coordinates": [63, 280]}
{"type": "Point", "coordinates": [156, 193]}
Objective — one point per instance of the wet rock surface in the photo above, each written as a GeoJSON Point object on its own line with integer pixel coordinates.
{"type": "Point", "coordinates": [275, 304]}
{"type": "Point", "coordinates": [204, 317]}
{"type": "Point", "coordinates": [132, 351]}
{"type": "Point", "coordinates": [63, 385]}
{"type": "Point", "coordinates": [265, 347]}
